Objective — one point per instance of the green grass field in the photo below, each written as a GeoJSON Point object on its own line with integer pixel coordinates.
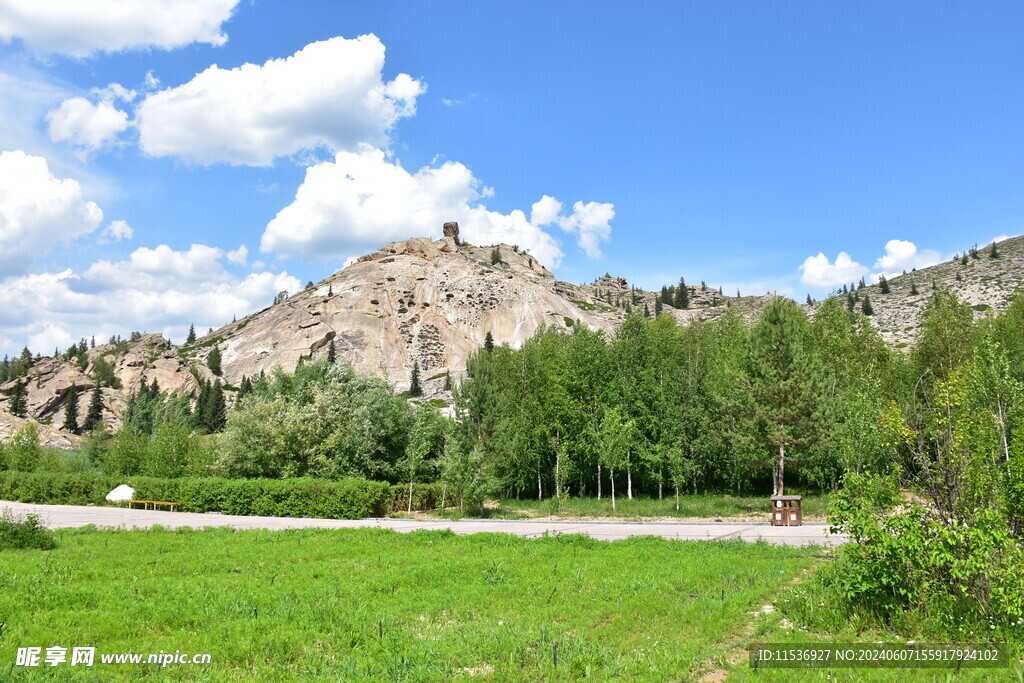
{"type": "Point", "coordinates": [703, 506]}
{"type": "Point", "coordinates": [377, 605]}
{"type": "Point", "coordinates": [373, 605]}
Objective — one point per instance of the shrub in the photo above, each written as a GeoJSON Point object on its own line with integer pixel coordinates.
{"type": "Point", "coordinates": [909, 558]}
{"type": "Point", "coordinates": [27, 532]}
{"type": "Point", "coordinates": [24, 453]}
{"type": "Point", "coordinates": [305, 497]}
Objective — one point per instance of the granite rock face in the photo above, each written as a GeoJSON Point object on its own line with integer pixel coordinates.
{"type": "Point", "coordinates": [411, 302]}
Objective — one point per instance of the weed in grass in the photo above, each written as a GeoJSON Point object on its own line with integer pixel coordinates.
{"type": "Point", "coordinates": [18, 533]}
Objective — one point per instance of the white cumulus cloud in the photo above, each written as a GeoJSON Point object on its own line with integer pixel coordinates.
{"type": "Point", "coordinates": [38, 210]}
{"type": "Point", "coordinates": [819, 272]}
{"type": "Point", "coordinates": [545, 210]}
{"type": "Point", "coordinates": [239, 256]}
{"type": "Point", "coordinates": [117, 231]}
{"type": "Point", "coordinates": [361, 199]}
{"type": "Point", "coordinates": [80, 28]}
{"type": "Point", "coordinates": [591, 223]}
{"type": "Point", "coordinates": [156, 289]}
{"type": "Point", "coordinates": [330, 93]}
{"type": "Point", "coordinates": [902, 255]}
{"type": "Point", "coordinates": [82, 123]}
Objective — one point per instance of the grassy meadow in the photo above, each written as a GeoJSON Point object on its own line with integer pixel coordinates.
{"type": "Point", "coordinates": [371, 604]}
{"type": "Point", "coordinates": [377, 605]}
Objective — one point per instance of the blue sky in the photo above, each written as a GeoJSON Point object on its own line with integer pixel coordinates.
{"type": "Point", "coordinates": [760, 146]}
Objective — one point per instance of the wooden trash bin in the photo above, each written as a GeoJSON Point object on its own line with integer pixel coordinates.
{"type": "Point", "coordinates": [786, 511]}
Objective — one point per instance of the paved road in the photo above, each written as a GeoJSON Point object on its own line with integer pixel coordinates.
{"type": "Point", "coordinates": [60, 516]}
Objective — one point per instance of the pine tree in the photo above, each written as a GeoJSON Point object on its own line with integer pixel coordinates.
{"type": "Point", "coordinates": [850, 301]}
{"type": "Point", "coordinates": [883, 284]}
{"type": "Point", "coordinates": [217, 408]}
{"type": "Point", "coordinates": [722, 293]}
{"type": "Point", "coordinates": [913, 288]}
{"type": "Point", "coordinates": [963, 260]}
{"type": "Point", "coordinates": [994, 253]}
{"type": "Point", "coordinates": [682, 299]}
{"type": "Point", "coordinates": [244, 388]}
{"type": "Point", "coordinates": [92, 342]}
{"type": "Point", "coordinates": [414, 382]}
{"type": "Point", "coordinates": [330, 290]}
{"type": "Point", "coordinates": [191, 339]}
{"type": "Point", "coordinates": [782, 374]}
{"type": "Point", "coordinates": [810, 301]}
{"type": "Point", "coordinates": [737, 292]}
{"type": "Point", "coordinates": [861, 284]}
{"type": "Point", "coordinates": [331, 353]}
{"type": "Point", "coordinates": [309, 284]}
{"type": "Point", "coordinates": [657, 307]}
{"type": "Point", "coordinates": [488, 342]}
{"type": "Point", "coordinates": [845, 290]}
{"type": "Point", "coordinates": [448, 381]}
{"type": "Point", "coordinates": [495, 256]}
{"type": "Point", "coordinates": [71, 411]}
{"type": "Point", "coordinates": [213, 360]}
{"type": "Point", "coordinates": [866, 306]}
{"type": "Point", "coordinates": [19, 400]}
{"type": "Point", "coordinates": [202, 409]}
{"type": "Point", "coordinates": [25, 360]}
{"type": "Point", "coordinates": [94, 417]}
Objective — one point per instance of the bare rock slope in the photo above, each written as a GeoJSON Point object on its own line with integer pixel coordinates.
{"type": "Point", "coordinates": [984, 282]}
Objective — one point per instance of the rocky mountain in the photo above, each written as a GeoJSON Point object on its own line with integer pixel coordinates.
{"type": "Point", "coordinates": [430, 304]}
{"type": "Point", "coordinates": [985, 282]}
{"type": "Point", "coordinates": [411, 303]}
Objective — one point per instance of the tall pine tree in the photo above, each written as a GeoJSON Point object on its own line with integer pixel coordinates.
{"type": "Point", "coordinates": [94, 416]}
{"type": "Point", "coordinates": [782, 375]}
{"type": "Point", "coordinates": [682, 299]}
{"type": "Point", "coordinates": [19, 400]}
{"type": "Point", "coordinates": [414, 382]}
{"type": "Point", "coordinates": [71, 411]}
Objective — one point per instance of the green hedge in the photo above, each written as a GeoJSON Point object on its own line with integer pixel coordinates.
{"type": "Point", "coordinates": [342, 499]}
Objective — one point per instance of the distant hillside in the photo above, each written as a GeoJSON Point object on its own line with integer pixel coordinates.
{"type": "Point", "coordinates": [984, 282]}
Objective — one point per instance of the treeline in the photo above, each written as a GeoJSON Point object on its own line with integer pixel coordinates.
{"type": "Point", "coordinates": [716, 405]}
{"type": "Point", "coordinates": [657, 409]}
